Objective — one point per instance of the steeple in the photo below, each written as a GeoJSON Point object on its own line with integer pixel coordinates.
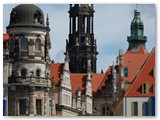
{"type": "Point", "coordinates": [81, 45]}
{"type": "Point", "coordinates": [137, 37]}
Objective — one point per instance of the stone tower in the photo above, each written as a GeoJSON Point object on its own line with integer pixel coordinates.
{"type": "Point", "coordinates": [137, 37]}
{"type": "Point", "coordinates": [81, 45]}
{"type": "Point", "coordinates": [29, 45]}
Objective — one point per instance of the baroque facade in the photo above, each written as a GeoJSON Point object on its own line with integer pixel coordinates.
{"type": "Point", "coordinates": [35, 86]}
{"type": "Point", "coordinates": [27, 53]}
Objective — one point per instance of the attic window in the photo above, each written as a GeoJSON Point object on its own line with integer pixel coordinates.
{"type": "Point", "coordinates": [145, 88]}
{"type": "Point", "coordinates": [125, 71]}
{"type": "Point", "coordinates": [38, 17]}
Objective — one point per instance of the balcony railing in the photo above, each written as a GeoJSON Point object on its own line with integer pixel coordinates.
{"type": "Point", "coordinates": [35, 81]}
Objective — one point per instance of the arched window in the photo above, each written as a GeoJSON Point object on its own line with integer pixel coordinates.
{"type": "Point", "coordinates": [38, 73]}
{"type": "Point", "coordinates": [23, 73]}
{"type": "Point", "coordinates": [24, 43]}
{"type": "Point", "coordinates": [38, 44]}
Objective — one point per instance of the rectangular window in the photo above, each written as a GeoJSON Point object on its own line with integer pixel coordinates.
{"type": "Point", "coordinates": [125, 71]}
{"type": "Point", "coordinates": [69, 100]}
{"type": "Point", "coordinates": [39, 106]}
{"type": "Point", "coordinates": [134, 108]}
{"type": "Point", "coordinates": [145, 88]}
{"type": "Point", "coordinates": [22, 106]}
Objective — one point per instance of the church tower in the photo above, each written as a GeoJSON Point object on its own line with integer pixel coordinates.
{"type": "Point", "coordinates": [137, 38]}
{"type": "Point", "coordinates": [81, 45]}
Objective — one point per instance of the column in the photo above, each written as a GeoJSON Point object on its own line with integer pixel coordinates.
{"type": "Point", "coordinates": [45, 103]}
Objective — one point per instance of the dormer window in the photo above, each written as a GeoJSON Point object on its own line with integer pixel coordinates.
{"type": "Point", "coordinates": [24, 44]}
{"type": "Point", "coordinates": [38, 17]}
{"type": "Point", "coordinates": [145, 89]}
{"type": "Point", "coordinates": [38, 44]}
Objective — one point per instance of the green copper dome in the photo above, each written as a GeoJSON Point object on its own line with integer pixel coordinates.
{"type": "Point", "coordinates": [27, 15]}
{"type": "Point", "coordinates": [137, 19]}
{"type": "Point", "coordinates": [137, 38]}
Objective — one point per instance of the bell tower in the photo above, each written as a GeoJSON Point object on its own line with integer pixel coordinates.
{"type": "Point", "coordinates": [81, 45]}
{"type": "Point", "coordinates": [137, 37]}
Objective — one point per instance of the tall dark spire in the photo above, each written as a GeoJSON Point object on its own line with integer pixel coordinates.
{"type": "Point", "coordinates": [82, 45]}
{"type": "Point", "coordinates": [137, 37]}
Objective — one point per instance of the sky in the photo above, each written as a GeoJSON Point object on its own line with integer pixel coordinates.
{"type": "Point", "coordinates": [111, 28]}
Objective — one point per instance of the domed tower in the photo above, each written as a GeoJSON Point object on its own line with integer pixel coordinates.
{"type": "Point", "coordinates": [137, 38]}
{"type": "Point", "coordinates": [81, 45]}
{"type": "Point", "coordinates": [29, 46]}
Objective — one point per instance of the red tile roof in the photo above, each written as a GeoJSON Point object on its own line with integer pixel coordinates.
{"type": "Point", "coordinates": [134, 61]}
{"type": "Point", "coordinates": [5, 37]}
{"type": "Point", "coordinates": [78, 79]}
{"type": "Point", "coordinates": [97, 82]}
{"type": "Point", "coordinates": [56, 71]}
{"type": "Point", "coordinates": [143, 76]}
{"type": "Point", "coordinates": [108, 72]}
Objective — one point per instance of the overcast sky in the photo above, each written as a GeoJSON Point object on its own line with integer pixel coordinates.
{"type": "Point", "coordinates": [111, 28]}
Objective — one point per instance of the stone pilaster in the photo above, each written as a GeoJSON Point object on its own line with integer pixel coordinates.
{"type": "Point", "coordinates": [32, 109]}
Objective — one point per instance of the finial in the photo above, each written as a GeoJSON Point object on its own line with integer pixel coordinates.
{"type": "Point", "coordinates": [67, 45]}
{"type": "Point", "coordinates": [92, 5]}
{"type": "Point", "coordinates": [47, 21]}
{"type": "Point", "coordinates": [67, 57]}
{"type": "Point", "coordinates": [121, 49]}
{"type": "Point", "coordinates": [89, 65]}
{"type": "Point", "coordinates": [136, 6]}
{"type": "Point", "coordinates": [121, 46]}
